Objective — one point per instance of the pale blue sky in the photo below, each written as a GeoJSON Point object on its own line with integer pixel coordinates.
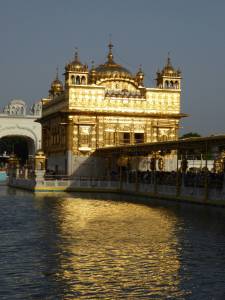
{"type": "Point", "coordinates": [36, 36]}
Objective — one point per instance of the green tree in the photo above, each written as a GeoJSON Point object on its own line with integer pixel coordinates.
{"type": "Point", "coordinates": [190, 135]}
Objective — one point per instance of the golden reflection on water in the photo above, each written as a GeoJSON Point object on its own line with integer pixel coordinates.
{"type": "Point", "coordinates": [116, 250]}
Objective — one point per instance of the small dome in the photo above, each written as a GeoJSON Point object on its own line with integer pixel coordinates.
{"type": "Point", "coordinates": [76, 65]}
{"type": "Point", "coordinates": [110, 69]}
{"type": "Point", "coordinates": [169, 70]}
{"type": "Point", "coordinates": [17, 102]}
{"type": "Point", "coordinates": [140, 76]}
{"type": "Point", "coordinates": [140, 73]}
{"type": "Point", "coordinates": [56, 86]}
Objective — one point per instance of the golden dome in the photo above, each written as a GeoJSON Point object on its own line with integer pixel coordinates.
{"type": "Point", "coordinates": [56, 86]}
{"type": "Point", "coordinates": [140, 76]}
{"type": "Point", "coordinates": [110, 69]}
{"type": "Point", "coordinates": [76, 65]}
{"type": "Point", "coordinates": [169, 70]}
{"type": "Point", "coordinates": [140, 73]}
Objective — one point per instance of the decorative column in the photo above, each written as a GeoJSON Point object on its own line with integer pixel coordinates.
{"type": "Point", "coordinates": [39, 165]}
{"type": "Point", "coordinates": [69, 145]}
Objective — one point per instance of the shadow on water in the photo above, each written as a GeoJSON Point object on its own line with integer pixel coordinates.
{"type": "Point", "coordinates": [105, 246]}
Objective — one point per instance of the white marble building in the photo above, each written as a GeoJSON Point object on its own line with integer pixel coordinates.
{"type": "Point", "coordinates": [17, 119]}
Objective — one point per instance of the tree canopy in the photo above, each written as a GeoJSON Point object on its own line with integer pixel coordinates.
{"type": "Point", "coordinates": [189, 135]}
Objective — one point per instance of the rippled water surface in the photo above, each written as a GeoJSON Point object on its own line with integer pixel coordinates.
{"type": "Point", "coordinates": [87, 246]}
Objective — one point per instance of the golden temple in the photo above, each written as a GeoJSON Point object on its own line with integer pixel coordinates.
{"type": "Point", "coordinates": [106, 106]}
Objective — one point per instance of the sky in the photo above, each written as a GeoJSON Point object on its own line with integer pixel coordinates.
{"type": "Point", "coordinates": [38, 36]}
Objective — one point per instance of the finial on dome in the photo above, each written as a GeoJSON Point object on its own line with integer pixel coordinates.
{"type": "Point", "coordinates": [92, 76]}
{"type": "Point", "coordinates": [140, 68]}
{"type": "Point", "coordinates": [110, 45]}
{"type": "Point", "coordinates": [168, 60]}
{"type": "Point", "coordinates": [76, 54]}
{"type": "Point", "coordinates": [57, 73]}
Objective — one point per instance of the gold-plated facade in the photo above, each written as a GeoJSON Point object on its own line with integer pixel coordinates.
{"type": "Point", "coordinates": [108, 106]}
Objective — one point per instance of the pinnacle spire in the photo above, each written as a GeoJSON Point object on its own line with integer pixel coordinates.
{"type": "Point", "coordinates": [110, 54]}
{"type": "Point", "coordinates": [168, 60]}
{"type": "Point", "coordinates": [57, 73]}
{"type": "Point", "coordinates": [76, 55]}
{"type": "Point", "coordinates": [92, 64]}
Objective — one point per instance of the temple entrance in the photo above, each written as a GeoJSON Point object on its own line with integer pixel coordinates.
{"type": "Point", "coordinates": [21, 146]}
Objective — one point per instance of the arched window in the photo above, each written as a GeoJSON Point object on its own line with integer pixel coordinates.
{"type": "Point", "coordinates": [166, 84]}
{"type": "Point", "coordinates": [163, 138]}
{"type": "Point", "coordinates": [176, 85]}
{"type": "Point", "coordinates": [72, 79]}
{"type": "Point", "coordinates": [171, 84]}
{"type": "Point", "coordinates": [78, 80]}
{"type": "Point", "coordinates": [83, 80]}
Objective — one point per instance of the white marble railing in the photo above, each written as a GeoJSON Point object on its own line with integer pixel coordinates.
{"type": "Point", "coordinates": [198, 193]}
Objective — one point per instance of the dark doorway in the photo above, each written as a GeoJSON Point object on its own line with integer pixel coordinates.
{"type": "Point", "coordinates": [139, 137]}
{"type": "Point", "coordinates": [124, 138]}
{"type": "Point", "coordinates": [21, 146]}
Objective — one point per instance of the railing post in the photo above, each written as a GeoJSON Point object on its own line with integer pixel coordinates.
{"type": "Point", "coordinates": [26, 173]}
{"type": "Point", "coordinates": [206, 196]}
{"type": "Point", "coordinates": [121, 180]}
{"type": "Point", "coordinates": [17, 172]}
{"type": "Point", "coordinates": [155, 176]}
{"type": "Point", "coordinates": [136, 177]}
{"type": "Point", "coordinates": [177, 179]}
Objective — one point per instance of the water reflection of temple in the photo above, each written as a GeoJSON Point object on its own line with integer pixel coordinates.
{"type": "Point", "coordinates": [113, 249]}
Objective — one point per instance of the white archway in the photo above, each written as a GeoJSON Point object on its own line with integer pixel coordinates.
{"type": "Point", "coordinates": [22, 146]}
{"type": "Point", "coordinates": [20, 131]}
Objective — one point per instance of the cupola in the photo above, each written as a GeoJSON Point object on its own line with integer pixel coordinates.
{"type": "Point", "coordinates": [76, 73]}
{"type": "Point", "coordinates": [140, 77]}
{"type": "Point", "coordinates": [169, 77]}
{"type": "Point", "coordinates": [56, 86]}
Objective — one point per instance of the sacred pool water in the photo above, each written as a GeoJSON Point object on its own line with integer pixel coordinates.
{"type": "Point", "coordinates": [91, 246]}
